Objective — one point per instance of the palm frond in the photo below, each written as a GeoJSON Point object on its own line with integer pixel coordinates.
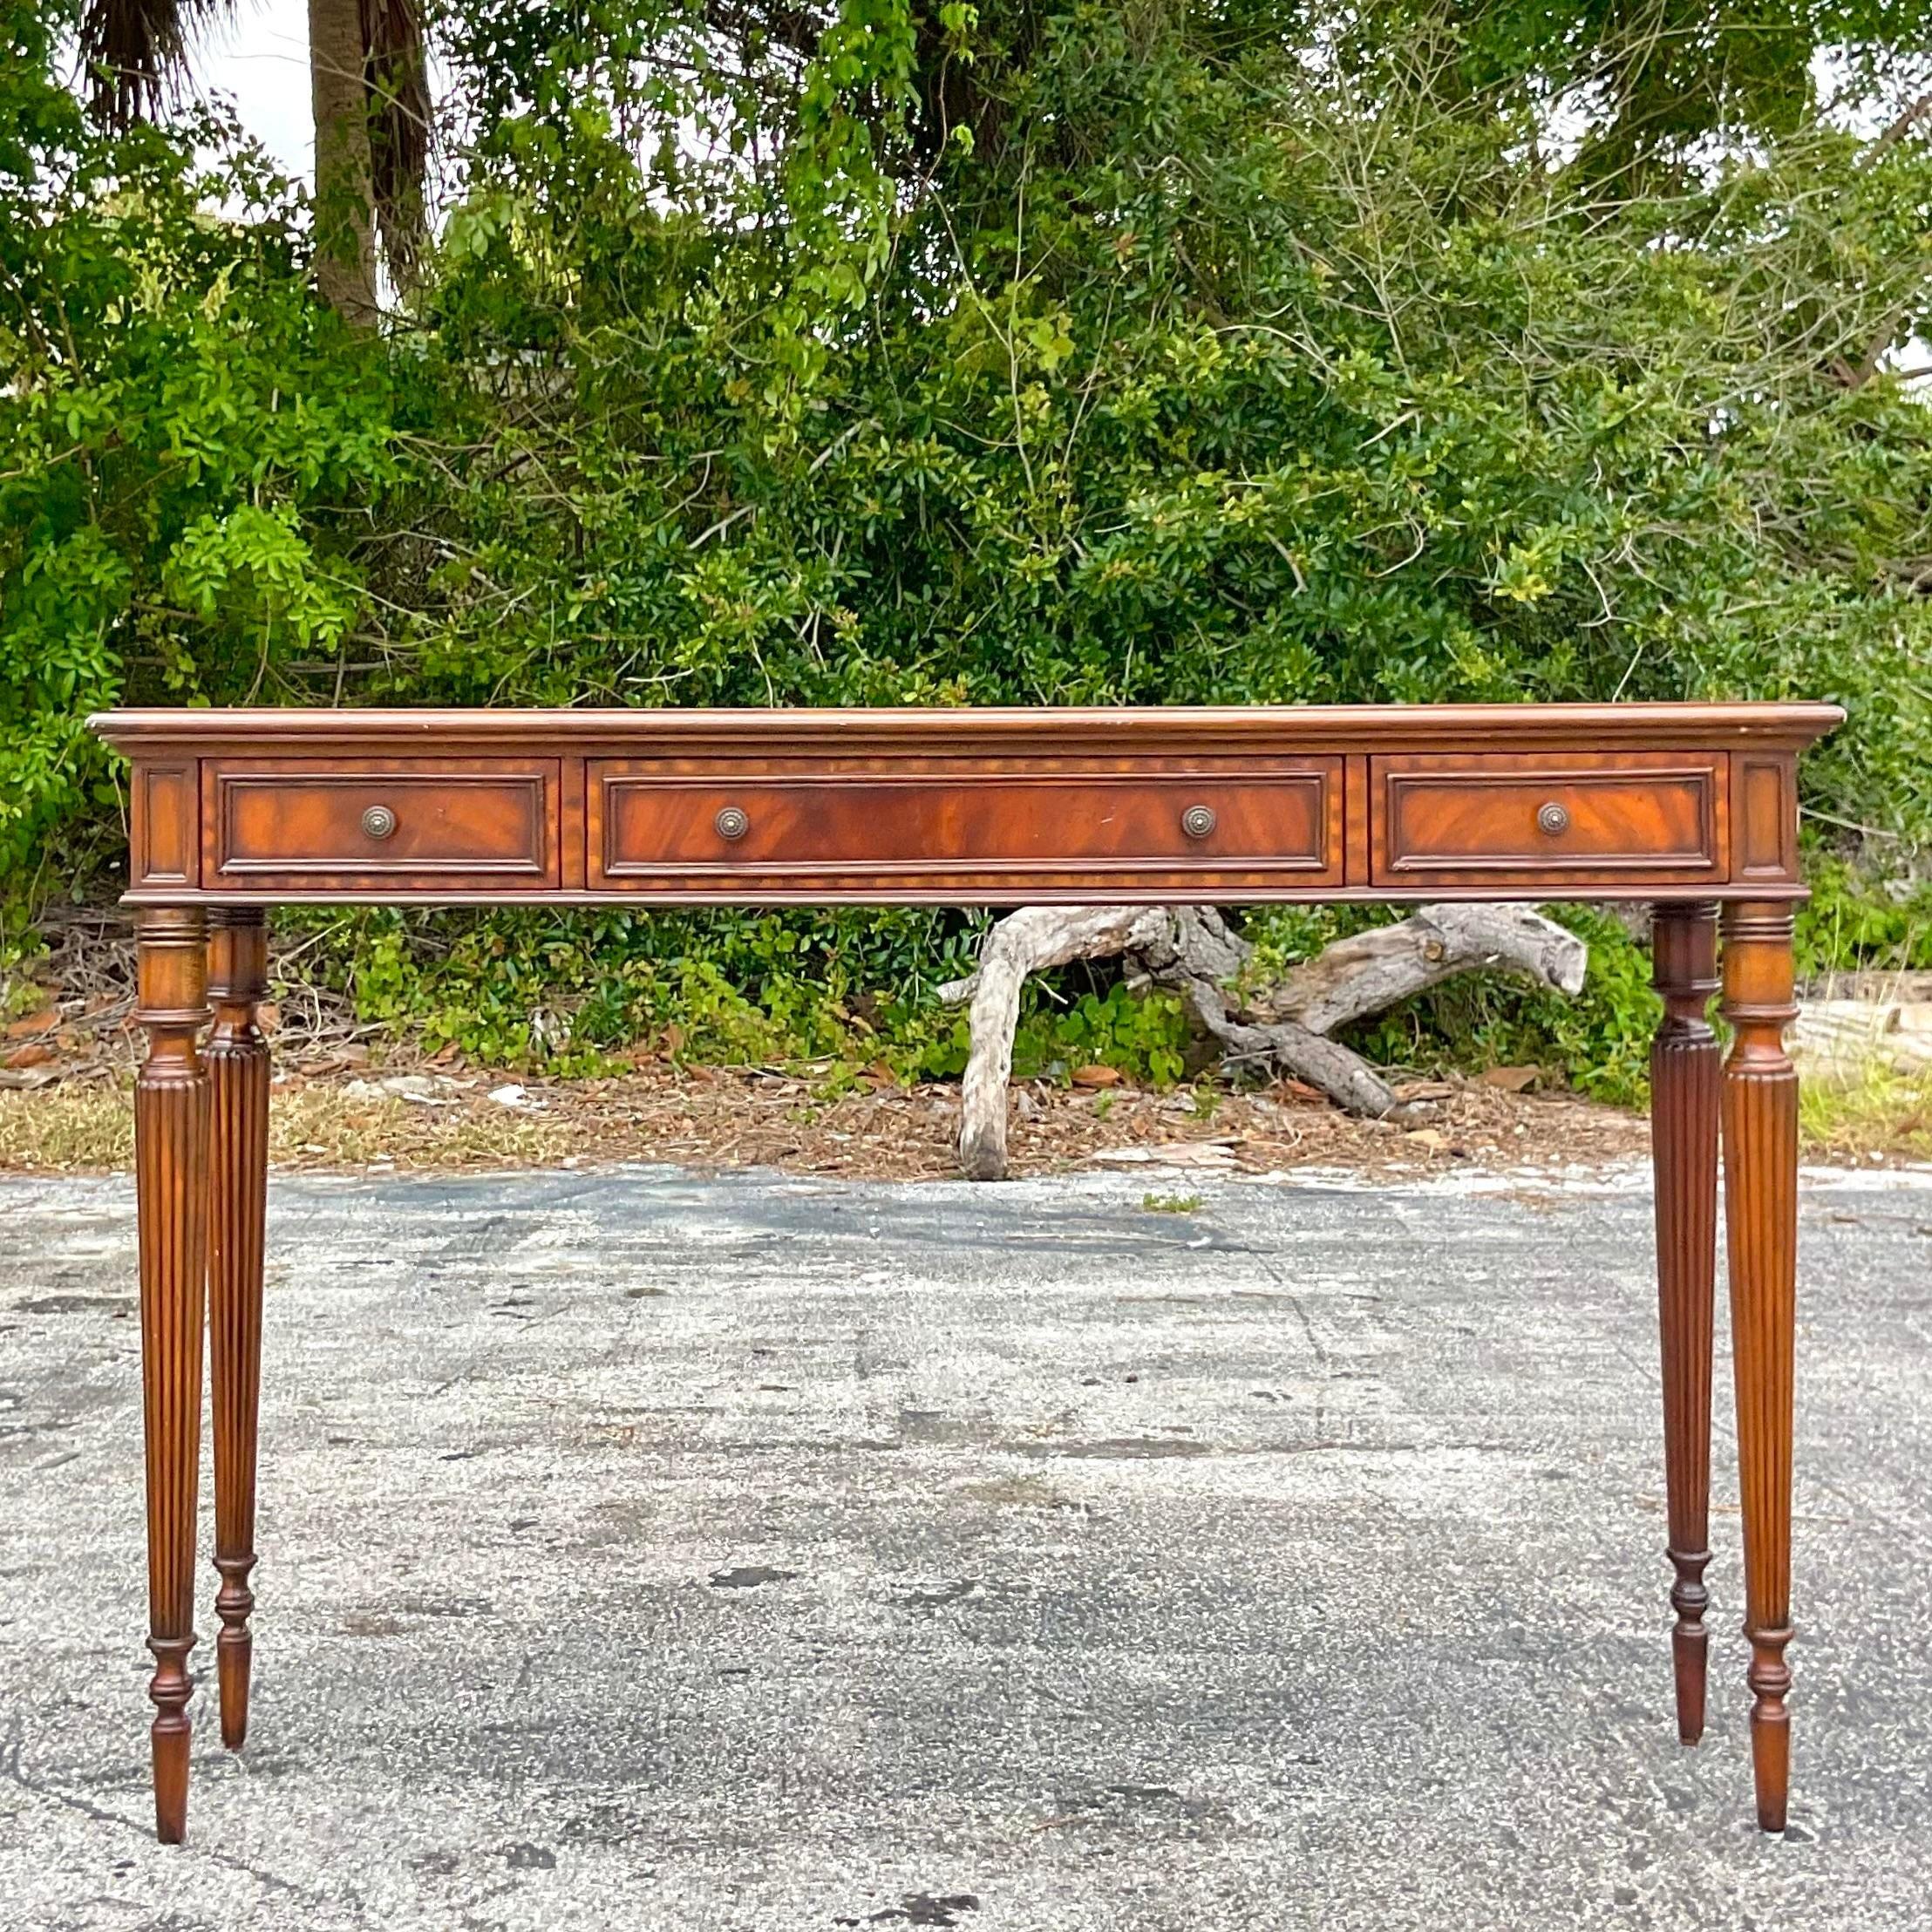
{"type": "Point", "coordinates": [396, 73]}
{"type": "Point", "coordinates": [136, 53]}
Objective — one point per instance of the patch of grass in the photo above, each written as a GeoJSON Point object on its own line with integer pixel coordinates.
{"type": "Point", "coordinates": [68, 1128]}
{"type": "Point", "coordinates": [1170, 1204]}
{"type": "Point", "coordinates": [320, 1126]}
{"type": "Point", "coordinates": [1874, 1111]}
{"type": "Point", "coordinates": [76, 1128]}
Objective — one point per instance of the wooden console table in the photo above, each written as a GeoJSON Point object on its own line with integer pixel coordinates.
{"type": "Point", "coordinates": [1689, 806]}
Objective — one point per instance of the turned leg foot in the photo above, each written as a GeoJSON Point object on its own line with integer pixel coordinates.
{"type": "Point", "coordinates": [171, 1185]}
{"type": "Point", "coordinates": [1760, 1164]}
{"type": "Point", "coordinates": [1685, 1080]}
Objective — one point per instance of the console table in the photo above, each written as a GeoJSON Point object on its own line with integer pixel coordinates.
{"type": "Point", "coordinates": [1691, 807]}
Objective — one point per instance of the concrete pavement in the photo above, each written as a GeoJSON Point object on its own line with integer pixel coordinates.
{"type": "Point", "coordinates": [643, 1549]}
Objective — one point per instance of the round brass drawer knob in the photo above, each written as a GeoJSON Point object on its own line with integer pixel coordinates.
{"type": "Point", "coordinates": [1198, 820]}
{"type": "Point", "coordinates": [1553, 819]}
{"type": "Point", "coordinates": [732, 823]}
{"type": "Point", "coordinates": [379, 822]}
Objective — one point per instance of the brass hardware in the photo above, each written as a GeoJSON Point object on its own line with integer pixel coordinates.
{"type": "Point", "coordinates": [1198, 820]}
{"type": "Point", "coordinates": [1553, 819]}
{"type": "Point", "coordinates": [379, 822]}
{"type": "Point", "coordinates": [732, 823]}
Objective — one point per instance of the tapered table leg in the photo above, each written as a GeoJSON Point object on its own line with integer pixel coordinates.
{"type": "Point", "coordinates": [1685, 1080]}
{"type": "Point", "coordinates": [237, 1058]}
{"type": "Point", "coordinates": [170, 1187]}
{"type": "Point", "coordinates": [1760, 1170]}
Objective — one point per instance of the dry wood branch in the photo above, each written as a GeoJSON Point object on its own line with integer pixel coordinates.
{"type": "Point", "coordinates": [1024, 942]}
{"type": "Point", "coordinates": [1285, 1025]}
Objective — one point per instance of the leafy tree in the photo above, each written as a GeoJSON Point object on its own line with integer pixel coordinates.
{"type": "Point", "coordinates": [368, 83]}
{"type": "Point", "coordinates": [1050, 352]}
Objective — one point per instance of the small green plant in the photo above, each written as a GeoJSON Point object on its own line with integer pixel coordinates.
{"type": "Point", "coordinates": [1170, 1204]}
{"type": "Point", "coordinates": [1143, 1035]}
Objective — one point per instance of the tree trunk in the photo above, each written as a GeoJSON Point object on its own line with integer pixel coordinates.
{"type": "Point", "coordinates": [345, 222]}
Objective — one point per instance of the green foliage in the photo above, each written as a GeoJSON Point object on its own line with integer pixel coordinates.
{"type": "Point", "coordinates": [182, 432]}
{"type": "Point", "coordinates": [1145, 1037]}
{"type": "Point", "coordinates": [1044, 350]}
{"type": "Point", "coordinates": [1861, 920]}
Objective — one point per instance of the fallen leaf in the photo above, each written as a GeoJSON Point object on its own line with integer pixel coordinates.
{"type": "Point", "coordinates": [1096, 1076]}
{"type": "Point", "coordinates": [1424, 1090]}
{"type": "Point", "coordinates": [33, 1054]}
{"type": "Point", "coordinates": [1432, 1138]}
{"type": "Point", "coordinates": [28, 1024]}
{"type": "Point", "coordinates": [1300, 1093]}
{"type": "Point", "coordinates": [1511, 1079]}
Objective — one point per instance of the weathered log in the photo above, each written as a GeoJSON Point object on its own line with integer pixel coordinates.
{"type": "Point", "coordinates": [1285, 1025]}
{"type": "Point", "coordinates": [1025, 942]}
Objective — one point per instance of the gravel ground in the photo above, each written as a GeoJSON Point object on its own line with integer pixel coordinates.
{"type": "Point", "coordinates": [642, 1549]}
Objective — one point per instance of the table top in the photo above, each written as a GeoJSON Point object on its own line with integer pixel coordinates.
{"type": "Point", "coordinates": [967, 730]}
{"type": "Point", "coordinates": [961, 806]}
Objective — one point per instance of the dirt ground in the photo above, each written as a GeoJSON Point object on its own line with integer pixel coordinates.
{"type": "Point", "coordinates": [709, 1118]}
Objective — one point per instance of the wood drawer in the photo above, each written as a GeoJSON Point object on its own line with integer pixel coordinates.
{"type": "Point", "coordinates": [1569, 819]}
{"type": "Point", "coordinates": [651, 823]}
{"type": "Point", "coordinates": [471, 825]}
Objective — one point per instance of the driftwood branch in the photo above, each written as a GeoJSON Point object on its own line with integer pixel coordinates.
{"type": "Point", "coordinates": [1024, 942]}
{"type": "Point", "coordinates": [1284, 1026]}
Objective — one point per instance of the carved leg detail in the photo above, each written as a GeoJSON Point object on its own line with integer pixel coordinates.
{"type": "Point", "coordinates": [1760, 1163]}
{"type": "Point", "coordinates": [1685, 1080]}
{"type": "Point", "coordinates": [237, 1058]}
{"type": "Point", "coordinates": [171, 1182]}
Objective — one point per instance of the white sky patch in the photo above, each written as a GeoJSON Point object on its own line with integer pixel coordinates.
{"type": "Point", "coordinates": [260, 59]}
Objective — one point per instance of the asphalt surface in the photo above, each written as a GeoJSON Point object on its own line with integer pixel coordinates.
{"type": "Point", "coordinates": [640, 1549]}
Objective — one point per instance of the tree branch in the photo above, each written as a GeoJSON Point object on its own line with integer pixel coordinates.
{"type": "Point", "coordinates": [1285, 1025]}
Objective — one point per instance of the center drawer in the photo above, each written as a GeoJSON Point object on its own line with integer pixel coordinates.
{"type": "Point", "coordinates": [962, 829]}
{"type": "Point", "coordinates": [465, 824]}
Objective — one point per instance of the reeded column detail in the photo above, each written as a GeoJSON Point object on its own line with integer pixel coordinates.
{"type": "Point", "coordinates": [1686, 1077]}
{"type": "Point", "coordinates": [171, 1186]}
{"type": "Point", "coordinates": [237, 1059]}
{"type": "Point", "coordinates": [1760, 1167]}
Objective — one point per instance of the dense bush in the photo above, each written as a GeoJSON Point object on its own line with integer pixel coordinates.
{"type": "Point", "coordinates": [1138, 358]}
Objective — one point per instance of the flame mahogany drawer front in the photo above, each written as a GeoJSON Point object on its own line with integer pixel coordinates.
{"type": "Point", "coordinates": [468, 824]}
{"type": "Point", "coordinates": [966, 829]}
{"type": "Point", "coordinates": [1567, 819]}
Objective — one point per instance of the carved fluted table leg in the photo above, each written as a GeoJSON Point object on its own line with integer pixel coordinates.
{"type": "Point", "coordinates": [1685, 1078]}
{"type": "Point", "coordinates": [171, 1186]}
{"type": "Point", "coordinates": [237, 1058]}
{"type": "Point", "coordinates": [1760, 1167]}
